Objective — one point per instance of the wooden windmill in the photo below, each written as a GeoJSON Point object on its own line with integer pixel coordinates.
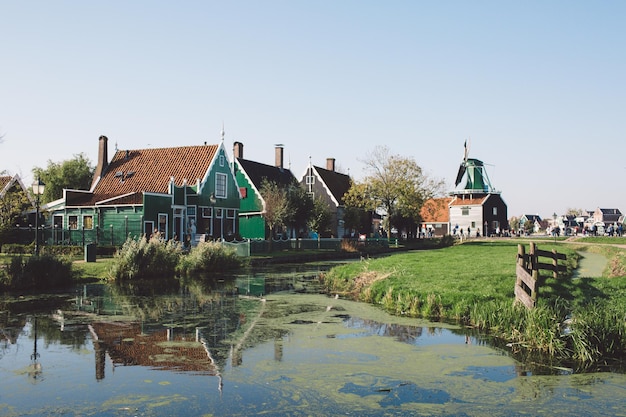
{"type": "Point", "coordinates": [477, 205]}
{"type": "Point", "coordinates": [477, 178]}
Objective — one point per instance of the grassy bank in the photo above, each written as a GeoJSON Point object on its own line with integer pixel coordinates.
{"type": "Point", "coordinates": [580, 320]}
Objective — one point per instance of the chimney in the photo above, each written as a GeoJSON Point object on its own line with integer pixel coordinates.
{"type": "Point", "coordinates": [238, 150]}
{"type": "Point", "coordinates": [330, 164]}
{"type": "Point", "coordinates": [103, 159]}
{"type": "Point", "coordinates": [279, 156]}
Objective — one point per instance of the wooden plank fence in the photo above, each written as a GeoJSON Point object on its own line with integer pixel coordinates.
{"type": "Point", "coordinates": [527, 271]}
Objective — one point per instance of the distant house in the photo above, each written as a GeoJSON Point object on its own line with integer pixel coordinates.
{"type": "Point", "coordinates": [142, 191]}
{"type": "Point", "coordinates": [435, 214]}
{"type": "Point", "coordinates": [330, 186]}
{"type": "Point", "coordinates": [535, 219]}
{"type": "Point", "coordinates": [250, 175]}
{"type": "Point", "coordinates": [607, 216]}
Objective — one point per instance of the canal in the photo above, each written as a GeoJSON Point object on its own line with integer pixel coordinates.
{"type": "Point", "coordinates": [264, 343]}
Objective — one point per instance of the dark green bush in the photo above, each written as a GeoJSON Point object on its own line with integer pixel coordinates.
{"type": "Point", "coordinates": [40, 272]}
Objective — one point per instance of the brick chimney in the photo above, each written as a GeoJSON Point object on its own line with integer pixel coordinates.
{"type": "Point", "coordinates": [330, 164]}
{"type": "Point", "coordinates": [238, 150]}
{"type": "Point", "coordinates": [103, 159]}
{"type": "Point", "coordinates": [279, 156]}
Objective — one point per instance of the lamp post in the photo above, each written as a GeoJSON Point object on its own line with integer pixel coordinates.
{"type": "Point", "coordinates": [38, 189]}
{"type": "Point", "coordinates": [554, 226]}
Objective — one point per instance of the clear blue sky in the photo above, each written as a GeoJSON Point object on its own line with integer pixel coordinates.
{"type": "Point", "coordinates": [538, 86]}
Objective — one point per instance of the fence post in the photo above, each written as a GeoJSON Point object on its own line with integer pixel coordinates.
{"type": "Point", "coordinates": [535, 271]}
{"type": "Point", "coordinates": [555, 264]}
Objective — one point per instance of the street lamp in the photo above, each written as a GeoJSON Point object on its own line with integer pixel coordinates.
{"type": "Point", "coordinates": [38, 189]}
{"type": "Point", "coordinates": [554, 227]}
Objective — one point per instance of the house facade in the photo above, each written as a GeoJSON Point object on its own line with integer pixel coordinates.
{"type": "Point", "coordinates": [179, 192]}
{"type": "Point", "coordinates": [435, 214]}
{"type": "Point", "coordinates": [249, 176]}
{"type": "Point", "coordinates": [330, 186]}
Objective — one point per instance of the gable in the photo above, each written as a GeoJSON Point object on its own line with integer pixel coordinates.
{"type": "Point", "coordinates": [336, 183]}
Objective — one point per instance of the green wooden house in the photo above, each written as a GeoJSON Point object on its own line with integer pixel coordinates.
{"type": "Point", "coordinates": [250, 176]}
{"type": "Point", "coordinates": [184, 193]}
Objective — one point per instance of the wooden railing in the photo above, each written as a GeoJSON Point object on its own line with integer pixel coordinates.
{"type": "Point", "coordinates": [527, 271]}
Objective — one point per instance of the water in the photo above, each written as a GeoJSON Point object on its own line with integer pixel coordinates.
{"type": "Point", "coordinates": [263, 344]}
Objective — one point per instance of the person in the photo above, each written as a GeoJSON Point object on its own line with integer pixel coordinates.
{"type": "Point", "coordinates": [478, 232]}
{"type": "Point", "coordinates": [468, 231]}
{"type": "Point", "coordinates": [192, 230]}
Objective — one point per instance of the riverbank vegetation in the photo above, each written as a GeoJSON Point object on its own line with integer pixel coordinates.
{"type": "Point", "coordinates": [35, 272]}
{"type": "Point", "coordinates": [580, 322]}
{"type": "Point", "coordinates": [156, 258]}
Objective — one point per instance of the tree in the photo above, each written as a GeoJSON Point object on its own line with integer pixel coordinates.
{"type": "Point", "coordinates": [396, 185]}
{"type": "Point", "coordinates": [12, 206]}
{"type": "Point", "coordinates": [300, 207]}
{"type": "Point", "coordinates": [74, 174]}
{"type": "Point", "coordinates": [276, 211]}
{"type": "Point", "coordinates": [321, 219]}
{"type": "Point", "coordinates": [514, 223]}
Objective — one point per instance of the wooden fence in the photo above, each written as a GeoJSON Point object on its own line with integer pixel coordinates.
{"type": "Point", "coordinates": [528, 266]}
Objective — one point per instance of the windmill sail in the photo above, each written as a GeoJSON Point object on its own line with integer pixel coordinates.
{"type": "Point", "coordinates": [459, 175]}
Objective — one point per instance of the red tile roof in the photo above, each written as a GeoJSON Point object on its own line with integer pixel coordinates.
{"type": "Point", "coordinates": [436, 210]}
{"type": "Point", "coordinates": [132, 172]}
{"type": "Point", "coordinates": [458, 201]}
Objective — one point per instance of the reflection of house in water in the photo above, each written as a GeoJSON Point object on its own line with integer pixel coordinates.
{"type": "Point", "coordinates": [126, 345]}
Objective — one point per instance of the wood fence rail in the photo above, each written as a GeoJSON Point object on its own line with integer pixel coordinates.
{"type": "Point", "coordinates": [527, 271]}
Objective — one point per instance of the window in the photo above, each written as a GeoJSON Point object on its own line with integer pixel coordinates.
{"type": "Point", "coordinates": [207, 212]}
{"type": "Point", "coordinates": [221, 160]}
{"type": "Point", "coordinates": [219, 213]}
{"type": "Point", "coordinates": [163, 225]}
{"type": "Point", "coordinates": [312, 195]}
{"type": "Point", "coordinates": [465, 211]}
{"type": "Point", "coordinates": [148, 228]}
{"type": "Point", "coordinates": [243, 191]}
{"type": "Point", "coordinates": [72, 222]}
{"type": "Point", "coordinates": [88, 222]}
{"type": "Point", "coordinates": [220, 185]}
{"type": "Point", "coordinates": [310, 179]}
{"type": "Point", "coordinates": [495, 211]}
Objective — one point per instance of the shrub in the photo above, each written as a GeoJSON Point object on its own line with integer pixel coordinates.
{"type": "Point", "coordinates": [209, 257]}
{"type": "Point", "coordinates": [143, 258]}
{"type": "Point", "coordinates": [39, 272]}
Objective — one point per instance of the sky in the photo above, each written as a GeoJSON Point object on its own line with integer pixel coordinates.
{"type": "Point", "coordinates": [537, 87]}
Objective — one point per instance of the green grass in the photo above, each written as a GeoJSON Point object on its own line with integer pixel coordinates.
{"type": "Point", "coordinates": [89, 271]}
{"type": "Point", "coordinates": [473, 284]}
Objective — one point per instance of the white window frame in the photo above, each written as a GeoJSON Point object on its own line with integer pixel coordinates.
{"type": "Point", "coordinates": [221, 185]}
